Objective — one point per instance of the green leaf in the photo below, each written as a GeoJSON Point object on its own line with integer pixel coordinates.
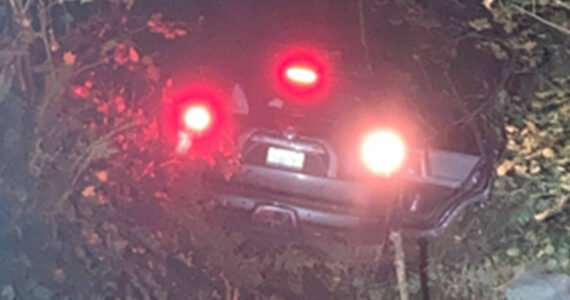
{"type": "Point", "coordinates": [358, 282]}
{"type": "Point", "coordinates": [564, 262]}
{"type": "Point", "coordinates": [108, 46]}
{"type": "Point", "coordinates": [551, 264]}
{"type": "Point", "coordinates": [375, 294]}
{"type": "Point", "coordinates": [8, 293]}
{"type": "Point", "coordinates": [480, 24]}
{"type": "Point", "coordinates": [549, 250]}
{"type": "Point", "coordinates": [513, 251]}
{"type": "Point", "coordinates": [498, 51]}
{"type": "Point", "coordinates": [43, 293]}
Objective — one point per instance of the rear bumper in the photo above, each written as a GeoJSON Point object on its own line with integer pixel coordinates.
{"type": "Point", "coordinates": [333, 203]}
{"type": "Point", "coordinates": [310, 200]}
{"type": "Point", "coordinates": [345, 220]}
{"type": "Point", "coordinates": [302, 215]}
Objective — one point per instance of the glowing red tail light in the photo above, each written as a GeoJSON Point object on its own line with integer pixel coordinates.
{"type": "Point", "coordinates": [197, 118]}
{"type": "Point", "coordinates": [301, 75]}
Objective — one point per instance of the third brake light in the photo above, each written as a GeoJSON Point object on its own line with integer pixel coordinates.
{"type": "Point", "coordinates": [301, 75]}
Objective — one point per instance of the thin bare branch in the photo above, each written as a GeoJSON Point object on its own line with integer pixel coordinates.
{"type": "Point", "coordinates": [28, 5]}
{"type": "Point", "coordinates": [16, 6]}
{"type": "Point", "coordinates": [89, 66]}
{"type": "Point", "coordinates": [400, 264]}
{"type": "Point", "coordinates": [562, 4]}
{"type": "Point", "coordinates": [44, 34]}
{"type": "Point", "coordinates": [86, 159]}
{"type": "Point", "coordinates": [555, 209]}
{"type": "Point", "coordinates": [542, 20]}
{"type": "Point", "coordinates": [91, 153]}
{"type": "Point", "coordinates": [363, 34]}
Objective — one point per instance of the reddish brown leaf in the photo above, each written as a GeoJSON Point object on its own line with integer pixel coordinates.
{"type": "Point", "coordinates": [102, 176]}
{"type": "Point", "coordinates": [133, 55]}
{"type": "Point", "coordinates": [89, 191]}
{"type": "Point", "coordinates": [69, 58]}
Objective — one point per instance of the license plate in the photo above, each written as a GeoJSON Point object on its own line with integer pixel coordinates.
{"type": "Point", "coordinates": [285, 158]}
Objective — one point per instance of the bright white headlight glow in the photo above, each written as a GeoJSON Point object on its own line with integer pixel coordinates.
{"type": "Point", "coordinates": [383, 152]}
{"type": "Point", "coordinates": [197, 118]}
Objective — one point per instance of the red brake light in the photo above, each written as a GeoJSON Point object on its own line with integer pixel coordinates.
{"type": "Point", "coordinates": [301, 75]}
{"type": "Point", "coordinates": [197, 118]}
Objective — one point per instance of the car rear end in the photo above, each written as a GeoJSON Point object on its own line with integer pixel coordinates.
{"type": "Point", "coordinates": [292, 179]}
{"type": "Point", "coordinates": [311, 157]}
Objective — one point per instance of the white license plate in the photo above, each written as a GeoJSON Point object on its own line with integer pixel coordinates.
{"type": "Point", "coordinates": [285, 158]}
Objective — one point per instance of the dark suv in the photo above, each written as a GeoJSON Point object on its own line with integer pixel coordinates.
{"type": "Point", "coordinates": [311, 157]}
